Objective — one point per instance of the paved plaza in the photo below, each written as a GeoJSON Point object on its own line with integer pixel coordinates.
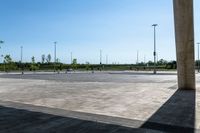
{"type": "Point", "coordinates": [97, 102]}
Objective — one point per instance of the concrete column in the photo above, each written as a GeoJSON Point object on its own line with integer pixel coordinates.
{"type": "Point", "coordinates": [184, 31]}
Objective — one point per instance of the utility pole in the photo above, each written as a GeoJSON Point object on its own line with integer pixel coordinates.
{"type": "Point", "coordinates": [198, 63]}
{"type": "Point", "coordinates": [154, 53]}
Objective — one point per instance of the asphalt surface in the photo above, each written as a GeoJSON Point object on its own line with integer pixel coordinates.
{"type": "Point", "coordinates": [119, 77]}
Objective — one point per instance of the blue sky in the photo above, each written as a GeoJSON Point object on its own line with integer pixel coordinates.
{"type": "Point", "coordinates": [119, 27]}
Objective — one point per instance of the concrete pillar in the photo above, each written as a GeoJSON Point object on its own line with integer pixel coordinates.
{"type": "Point", "coordinates": [184, 31]}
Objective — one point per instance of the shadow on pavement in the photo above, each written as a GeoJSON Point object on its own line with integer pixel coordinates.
{"type": "Point", "coordinates": [176, 115]}
{"type": "Point", "coordinates": [14, 120]}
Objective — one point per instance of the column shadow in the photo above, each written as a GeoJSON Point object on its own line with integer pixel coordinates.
{"type": "Point", "coordinates": [14, 120]}
{"type": "Point", "coordinates": [176, 115]}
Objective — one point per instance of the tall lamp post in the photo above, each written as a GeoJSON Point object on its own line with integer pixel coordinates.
{"type": "Point", "coordinates": [22, 59]}
{"type": "Point", "coordinates": [198, 63]}
{"type": "Point", "coordinates": [100, 57]}
{"type": "Point", "coordinates": [1, 42]}
{"type": "Point", "coordinates": [137, 58]}
{"type": "Point", "coordinates": [4, 65]}
{"type": "Point", "coordinates": [154, 53]}
{"type": "Point", "coordinates": [106, 59]}
{"type": "Point", "coordinates": [101, 60]}
{"type": "Point", "coordinates": [71, 57]}
{"type": "Point", "coordinates": [55, 56]}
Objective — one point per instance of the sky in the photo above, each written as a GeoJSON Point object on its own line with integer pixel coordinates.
{"type": "Point", "coordinates": [119, 28]}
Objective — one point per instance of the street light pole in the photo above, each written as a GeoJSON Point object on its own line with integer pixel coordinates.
{"type": "Point", "coordinates": [22, 60]}
{"type": "Point", "coordinates": [101, 67]}
{"type": "Point", "coordinates": [198, 63]}
{"type": "Point", "coordinates": [55, 56]}
{"type": "Point", "coordinates": [71, 58]}
{"type": "Point", "coordinates": [154, 53]}
{"type": "Point", "coordinates": [21, 53]}
{"type": "Point", "coordinates": [137, 58]}
{"type": "Point", "coordinates": [106, 59]}
{"type": "Point", "coordinates": [100, 57]}
{"type": "Point", "coordinates": [1, 42]}
{"type": "Point", "coordinates": [4, 67]}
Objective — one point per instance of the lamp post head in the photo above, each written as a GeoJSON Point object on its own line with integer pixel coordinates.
{"type": "Point", "coordinates": [155, 25]}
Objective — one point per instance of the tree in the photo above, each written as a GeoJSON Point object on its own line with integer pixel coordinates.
{"type": "Point", "coordinates": [57, 60]}
{"type": "Point", "coordinates": [43, 59]}
{"type": "Point", "coordinates": [74, 64]}
{"type": "Point", "coordinates": [162, 62]}
{"type": "Point", "coordinates": [74, 61]}
{"type": "Point", "coordinates": [48, 58]}
{"type": "Point", "coordinates": [7, 59]}
{"type": "Point", "coordinates": [87, 65]}
{"type": "Point", "coordinates": [33, 60]}
{"type": "Point", "coordinates": [150, 63]}
{"type": "Point", "coordinates": [10, 65]}
{"type": "Point", "coordinates": [33, 64]}
{"type": "Point", "coordinates": [171, 65]}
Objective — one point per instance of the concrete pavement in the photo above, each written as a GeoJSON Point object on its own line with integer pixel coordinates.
{"type": "Point", "coordinates": [144, 98]}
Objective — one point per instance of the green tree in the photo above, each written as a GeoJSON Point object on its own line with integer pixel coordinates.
{"type": "Point", "coordinates": [57, 60]}
{"type": "Point", "coordinates": [48, 58]}
{"type": "Point", "coordinates": [74, 64]}
{"type": "Point", "coordinates": [162, 62]}
{"type": "Point", "coordinates": [43, 59]}
{"type": "Point", "coordinates": [9, 64]}
{"type": "Point", "coordinates": [33, 66]}
{"type": "Point", "coordinates": [7, 59]}
{"type": "Point", "coordinates": [33, 60]}
{"type": "Point", "coordinates": [150, 63]}
{"type": "Point", "coordinates": [87, 66]}
{"type": "Point", "coordinates": [171, 65]}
